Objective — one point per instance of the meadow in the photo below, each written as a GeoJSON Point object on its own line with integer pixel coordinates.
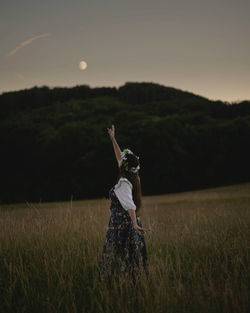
{"type": "Point", "coordinates": [197, 244]}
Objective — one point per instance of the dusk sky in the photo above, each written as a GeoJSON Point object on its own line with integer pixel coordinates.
{"type": "Point", "coordinates": [199, 46]}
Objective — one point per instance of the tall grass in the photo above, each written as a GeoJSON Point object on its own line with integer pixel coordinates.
{"type": "Point", "coordinates": [198, 255]}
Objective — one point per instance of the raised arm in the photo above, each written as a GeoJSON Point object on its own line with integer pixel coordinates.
{"type": "Point", "coordinates": [116, 147]}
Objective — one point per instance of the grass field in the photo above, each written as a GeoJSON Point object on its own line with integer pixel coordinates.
{"type": "Point", "coordinates": [198, 254]}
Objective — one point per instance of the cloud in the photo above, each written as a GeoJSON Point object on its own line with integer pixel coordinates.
{"type": "Point", "coordinates": [25, 43]}
{"type": "Point", "coordinates": [20, 76]}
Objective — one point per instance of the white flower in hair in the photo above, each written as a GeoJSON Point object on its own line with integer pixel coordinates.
{"type": "Point", "coordinates": [125, 163]}
{"type": "Point", "coordinates": [125, 152]}
{"type": "Point", "coordinates": [135, 169]}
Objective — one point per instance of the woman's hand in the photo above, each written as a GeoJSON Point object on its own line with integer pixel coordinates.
{"type": "Point", "coordinates": [139, 229]}
{"type": "Point", "coordinates": [111, 132]}
{"type": "Point", "coordinates": [116, 147]}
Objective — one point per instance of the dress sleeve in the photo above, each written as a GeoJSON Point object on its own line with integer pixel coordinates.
{"type": "Point", "coordinates": [123, 192]}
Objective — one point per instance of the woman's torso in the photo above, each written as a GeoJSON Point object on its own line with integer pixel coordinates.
{"type": "Point", "coordinates": [118, 213]}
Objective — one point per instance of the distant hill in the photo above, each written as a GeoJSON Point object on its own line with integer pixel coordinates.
{"type": "Point", "coordinates": [55, 146]}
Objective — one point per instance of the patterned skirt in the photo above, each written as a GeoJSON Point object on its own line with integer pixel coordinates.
{"type": "Point", "coordinates": [124, 253]}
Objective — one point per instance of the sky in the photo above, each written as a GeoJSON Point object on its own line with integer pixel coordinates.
{"type": "Point", "coordinates": [198, 46]}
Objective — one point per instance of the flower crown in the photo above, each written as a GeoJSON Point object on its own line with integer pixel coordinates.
{"type": "Point", "coordinates": [124, 162]}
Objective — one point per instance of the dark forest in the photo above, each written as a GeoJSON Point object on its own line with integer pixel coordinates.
{"type": "Point", "coordinates": [55, 146]}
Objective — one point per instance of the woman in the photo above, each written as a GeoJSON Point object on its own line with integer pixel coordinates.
{"type": "Point", "coordinates": [124, 251]}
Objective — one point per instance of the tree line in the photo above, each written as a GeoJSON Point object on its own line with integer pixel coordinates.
{"type": "Point", "coordinates": [55, 146]}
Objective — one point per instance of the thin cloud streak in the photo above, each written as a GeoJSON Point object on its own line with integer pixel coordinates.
{"type": "Point", "coordinates": [20, 76]}
{"type": "Point", "coordinates": [26, 42]}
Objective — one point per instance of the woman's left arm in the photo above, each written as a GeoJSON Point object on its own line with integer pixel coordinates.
{"type": "Point", "coordinates": [116, 147]}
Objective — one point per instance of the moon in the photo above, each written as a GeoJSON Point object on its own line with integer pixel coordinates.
{"type": "Point", "coordinates": [82, 65]}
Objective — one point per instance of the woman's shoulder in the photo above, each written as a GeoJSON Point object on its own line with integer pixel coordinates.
{"type": "Point", "coordinates": [122, 181]}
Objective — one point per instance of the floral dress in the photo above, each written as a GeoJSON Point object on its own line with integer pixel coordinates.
{"type": "Point", "coordinates": [124, 252]}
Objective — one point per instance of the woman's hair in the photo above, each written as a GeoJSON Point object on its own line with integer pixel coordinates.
{"type": "Point", "coordinates": [132, 161]}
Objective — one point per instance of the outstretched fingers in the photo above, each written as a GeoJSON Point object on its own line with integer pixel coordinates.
{"type": "Point", "coordinates": [111, 131]}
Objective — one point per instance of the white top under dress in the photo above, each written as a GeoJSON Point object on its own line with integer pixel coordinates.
{"type": "Point", "coordinates": [123, 191]}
